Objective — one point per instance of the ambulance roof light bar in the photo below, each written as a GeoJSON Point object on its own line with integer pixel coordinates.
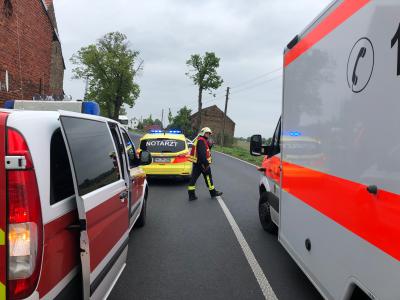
{"type": "Point", "coordinates": [169, 131]}
{"type": "Point", "coordinates": [85, 107]}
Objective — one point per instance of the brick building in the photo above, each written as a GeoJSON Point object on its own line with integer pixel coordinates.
{"type": "Point", "coordinates": [31, 61]}
{"type": "Point", "coordinates": [213, 117]}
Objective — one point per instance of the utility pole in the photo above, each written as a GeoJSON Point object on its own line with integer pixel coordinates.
{"type": "Point", "coordinates": [162, 118]}
{"type": "Point", "coordinates": [226, 109]}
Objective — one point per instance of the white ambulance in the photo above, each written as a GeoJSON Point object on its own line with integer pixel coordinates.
{"type": "Point", "coordinates": [70, 191]}
{"type": "Point", "coordinates": [336, 201]}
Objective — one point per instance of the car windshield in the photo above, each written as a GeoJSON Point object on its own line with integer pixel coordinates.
{"type": "Point", "coordinates": [124, 122]}
{"type": "Point", "coordinates": [163, 145]}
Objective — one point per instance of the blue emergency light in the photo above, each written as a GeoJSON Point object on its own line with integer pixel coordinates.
{"type": "Point", "coordinates": [90, 108]}
{"type": "Point", "coordinates": [156, 131]}
{"type": "Point", "coordinates": [295, 133]}
{"type": "Point", "coordinates": [175, 131]}
{"type": "Point", "coordinates": [9, 104]}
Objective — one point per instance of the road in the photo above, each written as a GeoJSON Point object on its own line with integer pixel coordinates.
{"type": "Point", "coordinates": [188, 250]}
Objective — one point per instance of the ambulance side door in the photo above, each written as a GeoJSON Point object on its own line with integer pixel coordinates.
{"type": "Point", "coordinates": [100, 192]}
{"type": "Point", "coordinates": [273, 165]}
{"type": "Point", "coordinates": [137, 175]}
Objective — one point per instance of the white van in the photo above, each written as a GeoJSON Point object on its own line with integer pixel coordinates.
{"type": "Point", "coordinates": [70, 191]}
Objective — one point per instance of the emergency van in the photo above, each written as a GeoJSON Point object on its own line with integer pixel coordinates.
{"type": "Point", "coordinates": [330, 183]}
{"type": "Point", "coordinates": [70, 191]}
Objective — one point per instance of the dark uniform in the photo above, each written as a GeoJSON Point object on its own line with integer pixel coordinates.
{"type": "Point", "coordinates": [201, 158]}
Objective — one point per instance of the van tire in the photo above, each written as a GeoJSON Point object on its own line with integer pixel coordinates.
{"type": "Point", "coordinates": [264, 213]}
{"type": "Point", "coordinates": [141, 221]}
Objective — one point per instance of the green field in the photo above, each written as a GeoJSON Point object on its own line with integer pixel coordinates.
{"type": "Point", "coordinates": [241, 150]}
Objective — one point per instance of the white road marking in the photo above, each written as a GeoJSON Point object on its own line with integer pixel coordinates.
{"type": "Point", "coordinates": [251, 259]}
{"type": "Point", "coordinates": [230, 156]}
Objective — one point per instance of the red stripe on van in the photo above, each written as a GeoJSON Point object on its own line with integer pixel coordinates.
{"type": "Point", "coordinates": [106, 223]}
{"type": "Point", "coordinates": [61, 252]}
{"type": "Point", "coordinates": [3, 204]}
{"type": "Point", "coordinates": [343, 12]}
{"type": "Point", "coordinates": [375, 218]}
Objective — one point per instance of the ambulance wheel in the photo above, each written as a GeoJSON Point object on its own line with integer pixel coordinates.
{"type": "Point", "coordinates": [264, 212]}
{"type": "Point", "coordinates": [141, 221]}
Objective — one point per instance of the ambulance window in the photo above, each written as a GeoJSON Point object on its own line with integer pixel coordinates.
{"type": "Point", "coordinates": [130, 150]}
{"type": "Point", "coordinates": [277, 135]}
{"type": "Point", "coordinates": [93, 153]}
{"type": "Point", "coordinates": [118, 143]}
{"type": "Point", "coordinates": [163, 145]}
{"type": "Point", "coordinates": [61, 184]}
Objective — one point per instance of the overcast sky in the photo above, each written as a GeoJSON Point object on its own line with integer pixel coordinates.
{"type": "Point", "coordinates": [248, 36]}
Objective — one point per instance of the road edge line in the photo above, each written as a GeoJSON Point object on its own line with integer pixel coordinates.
{"type": "Point", "coordinates": [262, 280]}
{"type": "Point", "coordinates": [246, 162]}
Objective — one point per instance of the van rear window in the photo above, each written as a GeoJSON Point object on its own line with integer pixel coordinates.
{"type": "Point", "coordinates": [61, 183]}
{"type": "Point", "coordinates": [163, 145]}
{"type": "Point", "coordinates": [93, 153]}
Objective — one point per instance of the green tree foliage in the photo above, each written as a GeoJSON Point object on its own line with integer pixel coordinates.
{"type": "Point", "coordinates": [203, 72]}
{"type": "Point", "coordinates": [109, 67]}
{"type": "Point", "coordinates": [170, 116]}
{"type": "Point", "coordinates": [182, 122]}
{"type": "Point", "coordinates": [146, 123]}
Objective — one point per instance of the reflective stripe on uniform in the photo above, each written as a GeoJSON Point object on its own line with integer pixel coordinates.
{"type": "Point", "coordinates": [2, 238]}
{"type": "Point", "coordinates": [192, 188]}
{"type": "Point", "coordinates": [210, 186]}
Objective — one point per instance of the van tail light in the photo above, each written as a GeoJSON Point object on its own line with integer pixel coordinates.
{"type": "Point", "coordinates": [181, 158]}
{"type": "Point", "coordinates": [25, 227]}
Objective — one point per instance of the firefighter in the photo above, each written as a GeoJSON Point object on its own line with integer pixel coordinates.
{"type": "Point", "coordinates": [200, 155]}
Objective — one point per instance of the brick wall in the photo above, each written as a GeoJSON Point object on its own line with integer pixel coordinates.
{"type": "Point", "coordinates": [213, 117]}
{"type": "Point", "coordinates": [57, 60]}
{"type": "Point", "coordinates": [26, 38]}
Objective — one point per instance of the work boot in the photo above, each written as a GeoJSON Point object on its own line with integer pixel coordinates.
{"type": "Point", "coordinates": [192, 196]}
{"type": "Point", "coordinates": [214, 193]}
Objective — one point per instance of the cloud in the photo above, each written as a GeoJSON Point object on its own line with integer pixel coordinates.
{"type": "Point", "coordinates": [248, 36]}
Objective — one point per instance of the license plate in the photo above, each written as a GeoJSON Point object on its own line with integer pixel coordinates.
{"type": "Point", "coordinates": [162, 160]}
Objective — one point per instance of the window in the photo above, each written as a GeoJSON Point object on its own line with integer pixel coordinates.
{"type": "Point", "coordinates": [130, 150]}
{"type": "Point", "coordinates": [277, 136]}
{"type": "Point", "coordinates": [163, 145]}
{"type": "Point", "coordinates": [116, 137]}
{"type": "Point", "coordinates": [93, 153]}
{"type": "Point", "coordinates": [61, 183]}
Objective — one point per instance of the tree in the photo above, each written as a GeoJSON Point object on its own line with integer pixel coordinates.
{"type": "Point", "coordinates": [204, 74]}
{"type": "Point", "coordinates": [158, 123]}
{"type": "Point", "coordinates": [182, 121]}
{"type": "Point", "coordinates": [170, 116]}
{"type": "Point", "coordinates": [109, 67]}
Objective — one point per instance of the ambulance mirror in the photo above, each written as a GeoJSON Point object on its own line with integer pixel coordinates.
{"type": "Point", "coordinates": [145, 158]}
{"type": "Point", "coordinates": [256, 148]}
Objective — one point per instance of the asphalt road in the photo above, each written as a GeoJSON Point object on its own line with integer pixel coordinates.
{"type": "Point", "coordinates": [188, 250]}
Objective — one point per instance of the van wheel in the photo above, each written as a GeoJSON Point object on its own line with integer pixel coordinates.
{"type": "Point", "coordinates": [264, 212]}
{"type": "Point", "coordinates": [141, 221]}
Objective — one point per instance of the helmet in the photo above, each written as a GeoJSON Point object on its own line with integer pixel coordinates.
{"type": "Point", "coordinates": [205, 130]}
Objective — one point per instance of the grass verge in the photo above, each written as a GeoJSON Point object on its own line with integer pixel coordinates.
{"type": "Point", "coordinates": [241, 153]}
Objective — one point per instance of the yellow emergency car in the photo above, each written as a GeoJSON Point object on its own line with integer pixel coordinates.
{"type": "Point", "coordinates": [170, 154]}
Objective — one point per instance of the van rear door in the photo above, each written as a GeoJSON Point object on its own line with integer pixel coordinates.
{"type": "Point", "coordinates": [3, 206]}
{"type": "Point", "coordinates": [100, 194]}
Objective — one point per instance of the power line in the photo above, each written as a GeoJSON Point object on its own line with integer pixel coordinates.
{"type": "Point", "coordinates": [256, 78]}
{"type": "Point", "coordinates": [257, 84]}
